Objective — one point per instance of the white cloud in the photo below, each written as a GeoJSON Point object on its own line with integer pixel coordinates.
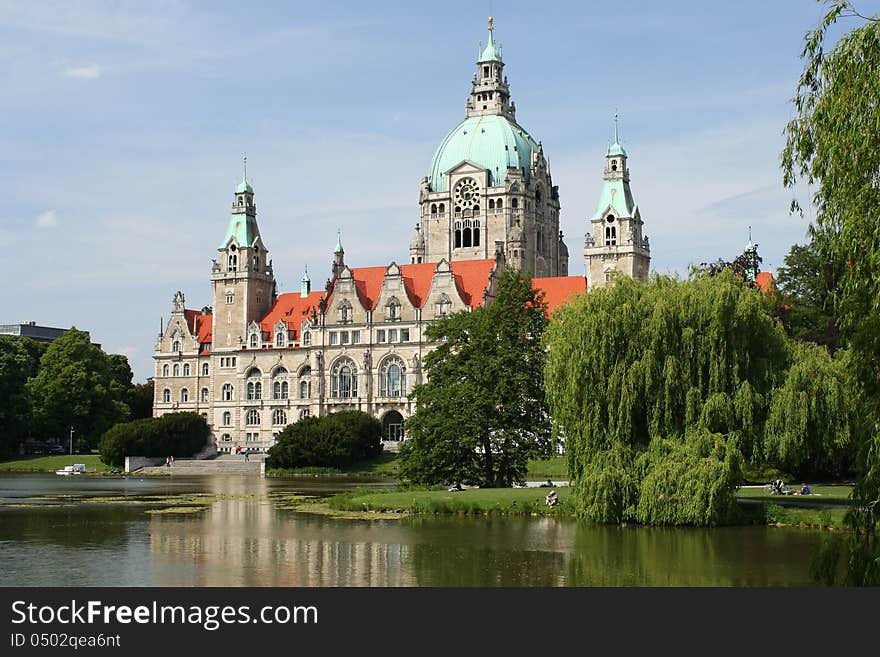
{"type": "Point", "coordinates": [90, 72]}
{"type": "Point", "coordinates": [48, 219]}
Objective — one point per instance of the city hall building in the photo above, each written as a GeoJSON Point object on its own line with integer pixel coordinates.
{"type": "Point", "coordinates": [256, 361]}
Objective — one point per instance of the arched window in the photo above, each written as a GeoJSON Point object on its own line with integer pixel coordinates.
{"type": "Point", "coordinates": [186, 369]}
{"type": "Point", "coordinates": [166, 395]}
{"type": "Point", "coordinates": [253, 341]}
{"type": "Point", "coordinates": [165, 370]}
{"type": "Point", "coordinates": [307, 338]}
{"type": "Point", "coordinates": [433, 208]}
{"type": "Point", "coordinates": [279, 390]}
{"type": "Point", "coordinates": [392, 377]}
{"type": "Point", "coordinates": [279, 416]}
{"type": "Point", "coordinates": [466, 235]}
{"type": "Point", "coordinates": [304, 413]}
{"type": "Point", "coordinates": [252, 418]}
{"type": "Point", "coordinates": [444, 306]}
{"type": "Point", "coordinates": [175, 346]}
{"type": "Point", "coordinates": [279, 339]}
{"type": "Point", "coordinates": [476, 233]}
{"type": "Point", "coordinates": [610, 235]}
{"type": "Point", "coordinates": [491, 203]}
{"type": "Point", "coordinates": [227, 392]}
{"type": "Point", "coordinates": [176, 369]}
{"type": "Point", "coordinates": [500, 204]}
{"type": "Point", "coordinates": [204, 369]}
{"type": "Point", "coordinates": [614, 165]}
{"type": "Point", "coordinates": [457, 235]}
{"type": "Point", "coordinates": [227, 418]}
{"type": "Point", "coordinates": [232, 262]}
{"type": "Point", "coordinates": [344, 312]}
{"type": "Point", "coordinates": [392, 310]}
{"type": "Point", "coordinates": [514, 204]}
{"type": "Point", "coordinates": [343, 379]}
{"type": "Point", "coordinates": [305, 389]}
{"type": "Point", "coordinates": [204, 394]}
{"type": "Point", "coordinates": [254, 390]}
{"type": "Point", "coordinates": [442, 208]}
{"type": "Point", "coordinates": [184, 395]}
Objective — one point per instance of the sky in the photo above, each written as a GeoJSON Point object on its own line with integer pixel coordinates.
{"type": "Point", "coordinates": [123, 125]}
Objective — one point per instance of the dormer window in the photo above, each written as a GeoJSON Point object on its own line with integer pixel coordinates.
{"type": "Point", "coordinates": [307, 338]}
{"type": "Point", "coordinates": [254, 341]}
{"type": "Point", "coordinates": [280, 339]}
{"type": "Point", "coordinates": [232, 262]}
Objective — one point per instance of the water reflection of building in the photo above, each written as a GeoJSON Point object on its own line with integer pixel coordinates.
{"type": "Point", "coordinates": [248, 541]}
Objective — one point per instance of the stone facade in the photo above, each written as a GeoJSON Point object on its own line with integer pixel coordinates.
{"type": "Point", "coordinates": [256, 361]}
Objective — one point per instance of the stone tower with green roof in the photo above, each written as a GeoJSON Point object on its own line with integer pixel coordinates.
{"type": "Point", "coordinates": [490, 182]}
{"type": "Point", "coordinates": [615, 241]}
{"type": "Point", "coordinates": [241, 277]}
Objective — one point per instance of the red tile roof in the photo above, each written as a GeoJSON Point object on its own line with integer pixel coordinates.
{"type": "Point", "coordinates": [559, 289]}
{"type": "Point", "coordinates": [471, 279]}
{"type": "Point", "coordinates": [764, 280]}
{"type": "Point", "coordinates": [199, 325]}
{"type": "Point", "coordinates": [293, 309]}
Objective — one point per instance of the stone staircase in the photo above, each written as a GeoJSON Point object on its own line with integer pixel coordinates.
{"type": "Point", "coordinates": [189, 467]}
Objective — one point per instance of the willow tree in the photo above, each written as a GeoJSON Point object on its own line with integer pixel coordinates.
{"type": "Point", "coordinates": [833, 144]}
{"type": "Point", "coordinates": [691, 363]}
{"type": "Point", "coordinates": [814, 420]}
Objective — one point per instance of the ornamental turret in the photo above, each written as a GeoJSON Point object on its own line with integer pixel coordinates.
{"type": "Point", "coordinates": [614, 241]}
{"type": "Point", "coordinates": [241, 277]}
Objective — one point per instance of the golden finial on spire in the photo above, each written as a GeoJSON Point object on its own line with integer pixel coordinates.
{"type": "Point", "coordinates": [490, 22]}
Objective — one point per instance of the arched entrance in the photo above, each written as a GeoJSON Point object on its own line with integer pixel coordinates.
{"type": "Point", "coordinates": [392, 426]}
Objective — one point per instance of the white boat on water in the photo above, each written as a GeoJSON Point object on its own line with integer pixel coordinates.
{"type": "Point", "coordinates": [77, 468]}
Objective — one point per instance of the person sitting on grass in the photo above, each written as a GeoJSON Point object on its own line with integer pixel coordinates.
{"type": "Point", "coordinates": [805, 490]}
{"type": "Point", "coordinates": [455, 487]}
{"type": "Point", "coordinates": [552, 499]}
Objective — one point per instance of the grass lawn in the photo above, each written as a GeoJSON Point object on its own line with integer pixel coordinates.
{"type": "Point", "coordinates": [52, 463]}
{"type": "Point", "coordinates": [384, 465]}
{"type": "Point", "coordinates": [387, 465]}
{"type": "Point", "coordinates": [476, 501]}
{"type": "Point", "coordinates": [821, 495]}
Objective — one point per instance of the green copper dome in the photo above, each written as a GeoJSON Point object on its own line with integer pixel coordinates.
{"type": "Point", "coordinates": [243, 187]}
{"type": "Point", "coordinates": [492, 142]}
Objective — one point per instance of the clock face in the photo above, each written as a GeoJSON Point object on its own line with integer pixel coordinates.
{"type": "Point", "coordinates": [467, 193]}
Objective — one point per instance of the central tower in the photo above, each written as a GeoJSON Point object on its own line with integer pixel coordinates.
{"type": "Point", "coordinates": [489, 186]}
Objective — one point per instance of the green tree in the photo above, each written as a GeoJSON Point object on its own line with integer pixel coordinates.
{"type": "Point", "coordinates": [19, 361]}
{"type": "Point", "coordinates": [78, 386]}
{"type": "Point", "coordinates": [643, 375]}
{"type": "Point", "coordinates": [337, 440]}
{"type": "Point", "coordinates": [807, 285]}
{"type": "Point", "coordinates": [481, 414]}
{"type": "Point", "coordinates": [142, 400]}
{"type": "Point", "coordinates": [814, 420]}
{"type": "Point", "coordinates": [173, 434]}
{"type": "Point", "coordinates": [832, 144]}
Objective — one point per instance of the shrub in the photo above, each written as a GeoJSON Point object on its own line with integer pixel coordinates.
{"type": "Point", "coordinates": [337, 440]}
{"type": "Point", "coordinates": [180, 434]}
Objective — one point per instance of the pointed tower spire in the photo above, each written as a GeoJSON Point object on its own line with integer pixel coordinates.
{"type": "Point", "coordinates": [338, 255]}
{"type": "Point", "coordinates": [305, 284]}
{"type": "Point", "coordinates": [490, 94]}
{"type": "Point", "coordinates": [490, 52]}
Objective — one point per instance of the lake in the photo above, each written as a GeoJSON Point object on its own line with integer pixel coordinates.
{"type": "Point", "coordinates": [97, 531]}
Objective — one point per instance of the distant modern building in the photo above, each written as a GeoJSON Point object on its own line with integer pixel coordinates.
{"type": "Point", "coordinates": [33, 331]}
